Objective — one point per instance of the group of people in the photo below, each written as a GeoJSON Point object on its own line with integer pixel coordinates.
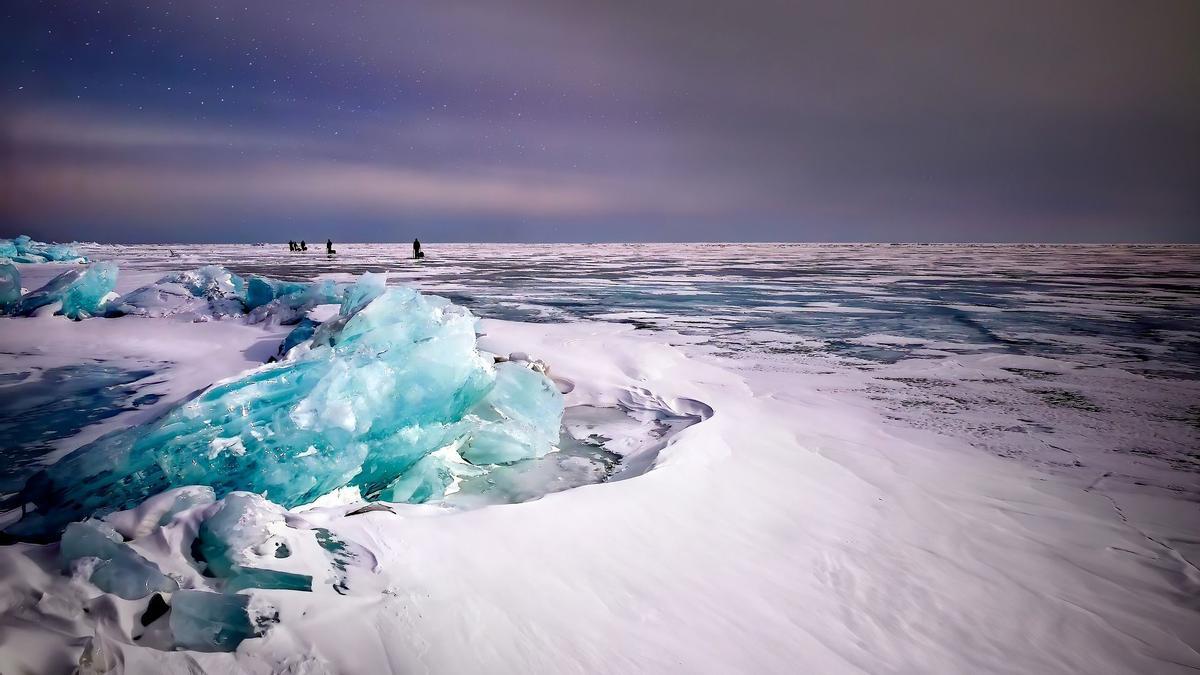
{"type": "Point", "coordinates": [303, 246]}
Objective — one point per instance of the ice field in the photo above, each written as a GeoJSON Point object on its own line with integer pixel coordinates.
{"type": "Point", "coordinates": [640, 458]}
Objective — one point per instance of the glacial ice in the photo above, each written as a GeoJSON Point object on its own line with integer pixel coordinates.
{"type": "Point", "coordinates": [210, 622]}
{"type": "Point", "coordinates": [394, 378]}
{"type": "Point", "coordinates": [82, 292]}
{"type": "Point", "coordinates": [116, 568]}
{"type": "Point", "coordinates": [23, 249]}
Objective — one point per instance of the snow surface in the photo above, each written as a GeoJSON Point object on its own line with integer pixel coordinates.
{"type": "Point", "coordinates": [815, 517]}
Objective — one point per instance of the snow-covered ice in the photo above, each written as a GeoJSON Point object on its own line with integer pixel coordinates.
{"type": "Point", "coordinates": [962, 479]}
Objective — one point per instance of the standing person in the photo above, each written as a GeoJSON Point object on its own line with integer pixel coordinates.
{"type": "Point", "coordinates": [328, 247]}
{"type": "Point", "coordinates": [417, 249]}
{"type": "Point", "coordinates": [291, 245]}
{"type": "Point", "coordinates": [303, 246]}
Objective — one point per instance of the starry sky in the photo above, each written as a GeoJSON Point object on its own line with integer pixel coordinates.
{"type": "Point", "coordinates": [621, 120]}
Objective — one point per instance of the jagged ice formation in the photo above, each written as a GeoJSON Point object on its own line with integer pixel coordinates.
{"type": "Point", "coordinates": [395, 378]}
{"type": "Point", "coordinates": [25, 250]}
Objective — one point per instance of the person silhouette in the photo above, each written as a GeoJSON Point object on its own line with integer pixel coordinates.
{"type": "Point", "coordinates": [329, 247]}
{"type": "Point", "coordinates": [417, 249]}
{"type": "Point", "coordinates": [303, 246]}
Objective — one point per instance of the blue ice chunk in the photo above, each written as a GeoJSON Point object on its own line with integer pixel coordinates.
{"type": "Point", "coordinates": [293, 301]}
{"type": "Point", "coordinates": [228, 538]}
{"type": "Point", "coordinates": [61, 253]}
{"type": "Point", "coordinates": [82, 292]}
{"type": "Point", "coordinates": [88, 296]}
{"type": "Point", "coordinates": [10, 286]}
{"type": "Point", "coordinates": [118, 568]}
{"type": "Point", "coordinates": [369, 286]}
{"type": "Point", "coordinates": [303, 331]}
{"type": "Point", "coordinates": [231, 540]}
{"type": "Point", "coordinates": [23, 249]}
{"type": "Point", "coordinates": [429, 479]}
{"type": "Point", "coordinates": [261, 291]}
{"type": "Point", "coordinates": [213, 292]}
{"type": "Point", "coordinates": [210, 622]}
{"type": "Point", "coordinates": [520, 417]}
{"type": "Point", "coordinates": [381, 386]}
{"type": "Point", "coordinates": [399, 377]}
{"type": "Point", "coordinates": [327, 292]}
{"type": "Point", "coordinates": [206, 293]}
{"type": "Point", "coordinates": [255, 577]}
{"type": "Point", "coordinates": [210, 281]}
{"type": "Point", "coordinates": [424, 481]}
{"type": "Point", "coordinates": [48, 294]}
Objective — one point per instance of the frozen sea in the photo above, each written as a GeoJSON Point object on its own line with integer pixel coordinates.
{"type": "Point", "coordinates": [833, 458]}
{"type": "Point", "coordinates": [1080, 359]}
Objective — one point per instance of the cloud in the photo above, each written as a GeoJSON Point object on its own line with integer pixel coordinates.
{"type": "Point", "coordinates": [863, 119]}
{"type": "Point", "coordinates": [97, 165]}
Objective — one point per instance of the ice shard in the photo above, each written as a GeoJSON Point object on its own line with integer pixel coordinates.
{"type": "Point", "coordinates": [210, 622]}
{"type": "Point", "coordinates": [518, 419]}
{"type": "Point", "coordinates": [291, 301]}
{"type": "Point", "coordinates": [81, 292]}
{"type": "Point", "coordinates": [10, 286]}
{"type": "Point", "coordinates": [301, 333]}
{"type": "Point", "coordinates": [114, 566]}
{"type": "Point", "coordinates": [209, 292]}
{"type": "Point", "coordinates": [234, 541]}
{"type": "Point", "coordinates": [88, 296]}
{"type": "Point", "coordinates": [25, 250]}
{"type": "Point", "coordinates": [213, 292]}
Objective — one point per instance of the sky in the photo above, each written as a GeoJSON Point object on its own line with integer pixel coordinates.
{"type": "Point", "coordinates": [559, 120]}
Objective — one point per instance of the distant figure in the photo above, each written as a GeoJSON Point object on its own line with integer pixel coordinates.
{"type": "Point", "coordinates": [291, 245]}
{"type": "Point", "coordinates": [303, 246]}
{"type": "Point", "coordinates": [417, 253]}
{"type": "Point", "coordinates": [329, 247]}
